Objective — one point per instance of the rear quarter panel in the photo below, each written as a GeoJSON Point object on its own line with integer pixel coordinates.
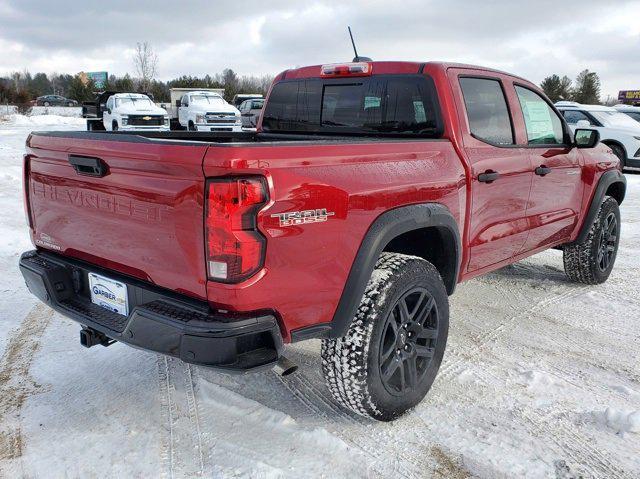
{"type": "Point", "coordinates": [306, 266]}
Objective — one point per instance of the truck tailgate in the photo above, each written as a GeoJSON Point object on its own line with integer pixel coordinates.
{"type": "Point", "coordinates": [139, 213]}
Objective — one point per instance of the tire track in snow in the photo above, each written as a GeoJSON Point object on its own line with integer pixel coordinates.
{"type": "Point", "coordinates": [375, 446]}
{"type": "Point", "coordinates": [455, 366]}
{"type": "Point", "coordinates": [581, 452]}
{"type": "Point", "coordinates": [16, 385]}
{"type": "Point", "coordinates": [181, 449]}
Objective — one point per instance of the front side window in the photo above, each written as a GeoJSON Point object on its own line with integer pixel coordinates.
{"type": "Point", "coordinates": [487, 110]}
{"type": "Point", "coordinates": [389, 104]}
{"type": "Point", "coordinates": [543, 125]}
{"type": "Point", "coordinates": [574, 116]}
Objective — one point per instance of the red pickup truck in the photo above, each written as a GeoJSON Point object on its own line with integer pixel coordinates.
{"type": "Point", "coordinates": [368, 192]}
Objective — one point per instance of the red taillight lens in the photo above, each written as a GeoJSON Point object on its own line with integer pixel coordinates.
{"type": "Point", "coordinates": [235, 247]}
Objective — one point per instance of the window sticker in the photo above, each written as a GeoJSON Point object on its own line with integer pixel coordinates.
{"type": "Point", "coordinates": [538, 120]}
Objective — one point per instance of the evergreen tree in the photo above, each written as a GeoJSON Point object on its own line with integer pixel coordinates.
{"type": "Point", "coordinates": [557, 88]}
{"type": "Point", "coordinates": [587, 88]}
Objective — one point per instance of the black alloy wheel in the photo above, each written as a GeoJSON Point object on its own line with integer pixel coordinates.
{"type": "Point", "coordinates": [607, 242]}
{"type": "Point", "coordinates": [408, 341]}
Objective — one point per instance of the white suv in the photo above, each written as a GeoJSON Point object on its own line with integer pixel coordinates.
{"type": "Point", "coordinates": [618, 131]}
{"type": "Point", "coordinates": [632, 111]}
{"type": "Point", "coordinates": [207, 111]}
{"type": "Point", "coordinates": [133, 111]}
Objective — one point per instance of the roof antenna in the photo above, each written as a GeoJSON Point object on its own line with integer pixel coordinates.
{"type": "Point", "coordinates": [357, 58]}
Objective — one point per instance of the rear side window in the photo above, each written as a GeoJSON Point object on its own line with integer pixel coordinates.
{"type": "Point", "coordinates": [389, 104]}
{"type": "Point", "coordinates": [487, 110]}
{"type": "Point", "coordinates": [541, 121]}
{"type": "Point", "coordinates": [574, 116]}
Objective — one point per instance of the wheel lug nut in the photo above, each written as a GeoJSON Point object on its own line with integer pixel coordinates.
{"type": "Point", "coordinates": [398, 351]}
{"type": "Point", "coordinates": [410, 334]}
{"type": "Point", "coordinates": [406, 347]}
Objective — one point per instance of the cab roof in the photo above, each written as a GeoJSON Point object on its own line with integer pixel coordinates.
{"type": "Point", "coordinates": [393, 67]}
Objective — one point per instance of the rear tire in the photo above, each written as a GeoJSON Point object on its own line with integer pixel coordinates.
{"type": "Point", "coordinates": [389, 357]}
{"type": "Point", "coordinates": [591, 262]}
{"type": "Point", "coordinates": [46, 103]}
{"type": "Point", "coordinates": [70, 104]}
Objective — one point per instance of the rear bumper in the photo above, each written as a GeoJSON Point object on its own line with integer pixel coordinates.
{"type": "Point", "coordinates": [158, 320]}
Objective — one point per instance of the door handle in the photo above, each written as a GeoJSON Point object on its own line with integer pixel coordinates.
{"type": "Point", "coordinates": [88, 165]}
{"type": "Point", "coordinates": [543, 170]}
{"type": "Point", "coordinates": [488, 176]}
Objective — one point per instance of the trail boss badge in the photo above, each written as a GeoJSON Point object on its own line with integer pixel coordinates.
{"type": "Point", "coordinates": [292, 218]}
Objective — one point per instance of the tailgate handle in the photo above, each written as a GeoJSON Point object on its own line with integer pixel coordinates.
{"type": "Point", "coordinates": [89, 165]}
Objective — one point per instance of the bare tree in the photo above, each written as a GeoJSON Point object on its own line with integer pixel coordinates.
{"type": "Point", "coordinates": [145, 60]}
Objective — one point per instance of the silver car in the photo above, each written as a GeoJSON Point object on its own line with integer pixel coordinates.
{"type": "Point", "coordinates": [250, 111]}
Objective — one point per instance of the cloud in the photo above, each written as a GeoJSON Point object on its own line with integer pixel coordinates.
{"type": "Point", "coordinates": [531, 39]}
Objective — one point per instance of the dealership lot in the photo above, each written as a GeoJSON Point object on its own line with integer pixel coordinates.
{"type": "Point", "coordinates": [540, 379]}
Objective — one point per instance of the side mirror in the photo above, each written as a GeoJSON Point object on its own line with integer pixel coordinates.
{"type": "Point", "coordinates": [178, 103]}
{"type": "Point", "coordinates": [583, 124]}
{"type": "Point", "coordinates": [109, 111]}
{"type": "Point", "coordinates": [586, 138]}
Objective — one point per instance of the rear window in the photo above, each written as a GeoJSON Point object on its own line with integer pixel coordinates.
{"type": "Point", "coordinates": [389, 104]}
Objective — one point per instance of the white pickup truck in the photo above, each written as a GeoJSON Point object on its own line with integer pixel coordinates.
{"type": "Point", "coordinates": [133, 111]}
{"type": "Point", "coordinates": [203, 110]}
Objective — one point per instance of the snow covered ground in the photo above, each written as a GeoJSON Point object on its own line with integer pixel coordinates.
{"type": "Point", "coordinates": [541, 379]}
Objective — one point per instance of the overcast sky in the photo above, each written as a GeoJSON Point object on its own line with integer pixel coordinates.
{"type": "Point", "coordinates": [529, 38]}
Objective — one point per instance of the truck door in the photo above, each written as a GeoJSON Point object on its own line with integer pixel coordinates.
{"type": "Point", "coordinates": [183, 110]}
{"type": "Point", "coordinates": [107, 114]}
{"type": "Point", "coordinates": [557, 187]}
{"type": "Point", "coordinates": [501, 173]}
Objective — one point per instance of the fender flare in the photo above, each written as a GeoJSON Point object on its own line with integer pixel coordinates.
{"type": "Point", "coordinates": [607, 179]}
{"type": "Point", "coordinates": [385, 228]}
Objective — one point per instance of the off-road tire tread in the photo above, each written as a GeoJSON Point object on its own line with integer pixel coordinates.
{"type": "Point", "coordinates": [344, 360]}
{"type": "Point", "coordinates": [580, 263]}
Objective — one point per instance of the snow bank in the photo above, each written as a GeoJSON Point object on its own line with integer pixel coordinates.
{"type": "Point", "coordinates": [43, 120]}
{"type": "Point", "coordinates": [8, 109]}
{"type": "Point", "coordinates": [56, 110]}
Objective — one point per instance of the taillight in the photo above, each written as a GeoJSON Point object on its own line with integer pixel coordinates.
{"type": "Point", "coordinates": [345, 69]}
{"type": "Point", "coordinates": [235, 247]}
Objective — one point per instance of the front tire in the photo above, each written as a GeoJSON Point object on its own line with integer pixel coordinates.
{"type": "Point", "coordinates": [114, 126]}
{"type": "Point", "coordinates": [46, 103]}
{"type": "Point", "coordinates": [591, 262]}
{"type": "Point", "coordinates": [387, 361]}
{"type": "Point", "coordinates": [620, 153]}
{"type": "Point", "coordinates": [191, 126]}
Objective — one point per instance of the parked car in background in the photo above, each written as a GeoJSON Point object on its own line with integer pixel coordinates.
{"type": "Point", "coordinates": [241, 97]}
{"type": "Point", "coordinates": [55, 100]}
{"type": "Point", "coordinates": [133, 111]}
{"type": "Point", "coordinates": [250, 112]}
{"type": "Point", "coordinates": [203, 110]}
{"type": "Point", "coordinates": [632, 111]}
{"type": "Point", "coordinates": [617, 130]}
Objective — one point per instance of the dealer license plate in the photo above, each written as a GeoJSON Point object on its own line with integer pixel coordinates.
{"type": "Point", "coordinates": [109, 294]}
